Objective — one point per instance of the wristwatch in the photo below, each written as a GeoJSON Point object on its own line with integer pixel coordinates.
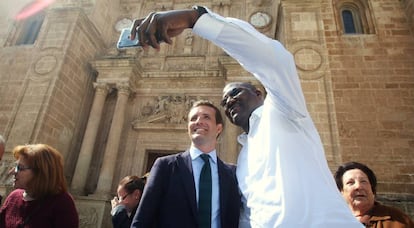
{"type": "Point", "coordinates": [201, 10]}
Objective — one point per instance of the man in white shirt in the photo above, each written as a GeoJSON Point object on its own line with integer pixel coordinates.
{"type": "Point", "coordinates": [282, 170]}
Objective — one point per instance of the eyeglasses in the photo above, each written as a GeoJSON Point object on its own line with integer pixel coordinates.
{"type": "Point", "coordinates": [124, 197]}
{"type": "Point", "coordinates": [18, 168]}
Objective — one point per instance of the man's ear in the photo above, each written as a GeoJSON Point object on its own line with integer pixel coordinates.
{"type": "Point", "coordinates": [219, 129]}
{"type": "Point", "coordinates": [258, 93]}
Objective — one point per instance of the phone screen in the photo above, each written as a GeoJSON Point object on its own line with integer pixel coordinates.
{"type": "Point", "coordinates": [125, 41]}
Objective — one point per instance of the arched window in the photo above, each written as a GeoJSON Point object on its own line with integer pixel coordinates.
{"type": "Point", "coordinates": [351, 21]}
{"type": "Point", "coordinates": [25, 32]}
{"type": "Point", "coordinates": [353, 17]}
{"type": "Point", "coordinates": [30, 30]}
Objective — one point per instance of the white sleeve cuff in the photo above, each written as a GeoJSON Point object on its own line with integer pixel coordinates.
{"type": "Point", "coordinates": [207, 26]}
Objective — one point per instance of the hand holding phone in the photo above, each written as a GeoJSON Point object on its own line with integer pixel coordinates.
{"type": "Point", "coordinates": [125, 41]}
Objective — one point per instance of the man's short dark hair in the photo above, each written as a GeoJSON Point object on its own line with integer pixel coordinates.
{"type": "Point", "coordinates": [219, 117]}
{"type": "Point", "coordinates": [246, 85]}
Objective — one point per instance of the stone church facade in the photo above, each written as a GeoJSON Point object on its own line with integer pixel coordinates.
{"type": "Point", "coordinates": [112, 112]}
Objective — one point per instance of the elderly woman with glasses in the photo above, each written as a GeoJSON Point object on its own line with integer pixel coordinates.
{"type": "Point", "coordinates": [40, 198]}
{"type": "Point", "coordinates": [358, 184]}
{"type": "Point", "coordinates": [125, 205]}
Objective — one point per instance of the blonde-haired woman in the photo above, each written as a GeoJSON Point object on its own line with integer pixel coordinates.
{"type": "Point", "coordinates": [41, 197]}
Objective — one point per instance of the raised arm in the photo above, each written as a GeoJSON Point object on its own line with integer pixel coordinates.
{"type": "Point", "coordinates": [262, 56]}
{"type": "Point", "coordinates": [162, 26]}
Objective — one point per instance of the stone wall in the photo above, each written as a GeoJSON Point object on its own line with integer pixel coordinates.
{"type": "Point", "coordinates": [373, 84]}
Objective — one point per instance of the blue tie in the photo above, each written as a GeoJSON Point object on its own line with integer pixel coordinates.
{"type": "Point", "coordinates": [204, 196]}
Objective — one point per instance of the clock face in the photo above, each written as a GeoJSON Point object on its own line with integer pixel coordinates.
{"type": "Point", "coordinates": [123, 23]}
{"type": "Point", "coordinates": [260, 19]}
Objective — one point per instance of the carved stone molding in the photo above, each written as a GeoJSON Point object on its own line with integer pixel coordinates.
{"type": "Point", "coordinates": [310, 59]}
{"type": "Point", "coordinates": [123, 88]}
{"type": "Point", "coordinates": [117, 71]}
{"type": "Point", "coordinates": [93, 212]}
{"type": "Point", "coordinates": [88, 216]}
{"type": "Point", "coordinates": [45, 64]}
{"type": "Point", "coordinates": [101, 87]}
{"type": "Point", "coordinates": [164, 112]}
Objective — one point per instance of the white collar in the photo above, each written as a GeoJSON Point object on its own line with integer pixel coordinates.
{"type": "Point", "coordinates": [195, 153]}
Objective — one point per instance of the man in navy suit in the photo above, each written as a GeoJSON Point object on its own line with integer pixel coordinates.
{"type": "Point", "coordinates": [170, 197]}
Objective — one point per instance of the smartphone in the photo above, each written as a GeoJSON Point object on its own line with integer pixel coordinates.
{"type": "Point", "coordinates": [125, 41]}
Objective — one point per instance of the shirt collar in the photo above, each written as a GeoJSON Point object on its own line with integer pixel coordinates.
{"type": "Point", "coordinates": [195, 153]}
{"type": "Point", "coordinates": [256, 114]}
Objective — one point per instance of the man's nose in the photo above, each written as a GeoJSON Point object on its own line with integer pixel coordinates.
{"type": "Point", "coordinates": [198, 120]}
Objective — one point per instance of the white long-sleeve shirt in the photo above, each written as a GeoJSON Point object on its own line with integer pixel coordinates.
{"type": "Point", "coordinates": [282, 170]}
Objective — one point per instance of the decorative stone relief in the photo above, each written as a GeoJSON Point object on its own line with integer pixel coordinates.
{"type": "Point", "coordinates": [260, 19]}
{"type": "Point", "coordinates": [309, 58]}
{"type": "Point", "coordinates": [165, 110]}
{"type": "Point", "coordinates": [189, 38]}
{"type": "Point", "coordinates": [88, 217]}
{"type": "Point", "coordinates": [101, 87]}
{"type": "Point", "coordinates": [123, 88]}
{"type": "Point", "coordinates": [45, 64]}
{"type": "Point", "coordinates": [188, 42]}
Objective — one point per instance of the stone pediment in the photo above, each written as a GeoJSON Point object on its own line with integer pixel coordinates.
{"type": "Point", "coordinates": [164, 112]}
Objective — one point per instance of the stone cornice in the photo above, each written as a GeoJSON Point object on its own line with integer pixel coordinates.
{"type": "Point", "coordinates": [117, 70]}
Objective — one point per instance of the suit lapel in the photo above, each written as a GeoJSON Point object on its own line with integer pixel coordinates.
{"type": "Point", "coordinates": [186, 172]}
{"type": "Point", "coordinates": [223, 185]}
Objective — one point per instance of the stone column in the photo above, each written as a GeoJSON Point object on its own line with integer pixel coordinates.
{"type": "Point", "coordinates": [111, 150]}
{"type": "Point", "coordinates": [86, 151]}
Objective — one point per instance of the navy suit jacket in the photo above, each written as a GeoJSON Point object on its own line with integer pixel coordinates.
{"type": "Point", "coordinates": [169, 198]}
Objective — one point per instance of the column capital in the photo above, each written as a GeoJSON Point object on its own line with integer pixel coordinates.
{"type": "Point", "coordinates": [123, 88]}
{"type": "Point", "coordinates": [101, 86]}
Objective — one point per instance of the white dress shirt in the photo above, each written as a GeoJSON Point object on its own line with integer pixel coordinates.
{"type": "Point", "coordinates": [198, 163]}
{"type": "Point", "coordinates": [282, 170]}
